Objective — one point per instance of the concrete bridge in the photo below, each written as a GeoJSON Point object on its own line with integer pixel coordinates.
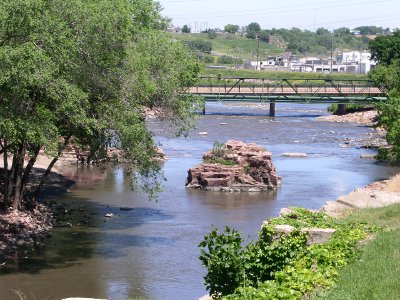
{"type": "Point", "coordinates": [264, 90]}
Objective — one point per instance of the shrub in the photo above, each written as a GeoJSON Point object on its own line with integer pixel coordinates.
{"type": "Point", "coordinates": [218, 155]}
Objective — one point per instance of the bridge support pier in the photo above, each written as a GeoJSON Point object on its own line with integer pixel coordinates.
{"type": "Point", "coordinates": [341, 109]}
{"type": "Point", "coordinates": [204, 110]}
{"type": "Point", "coordinates": [272, 109]}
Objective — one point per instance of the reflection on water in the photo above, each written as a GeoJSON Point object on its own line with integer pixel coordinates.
{"type": "Point", "coordinates": [149, 249]}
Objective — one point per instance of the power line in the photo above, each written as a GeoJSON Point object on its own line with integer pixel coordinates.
{"type": "Point", "coordinates": [271, 11]}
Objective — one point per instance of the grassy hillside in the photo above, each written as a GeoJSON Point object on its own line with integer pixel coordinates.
{"type": "Point", "coordinates": [233, 45]}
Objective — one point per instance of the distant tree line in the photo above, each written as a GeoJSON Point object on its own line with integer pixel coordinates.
{"type": "Point", "coordinates": [306, 41]}
{"type": "Point", "coordinates": [320, 41]}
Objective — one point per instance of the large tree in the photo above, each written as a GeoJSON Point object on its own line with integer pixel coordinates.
{"type": "Point", "coordinates": [230, 28]}
{"type": "Point", "coordinates": [386, 49]}
{"type": "Point", "coordinates": [85, 69]}
{"type": "Point", "coordinates": [252, 30]}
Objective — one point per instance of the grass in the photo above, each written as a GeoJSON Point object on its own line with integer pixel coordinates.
{"type": "Point", "coordinates": [375, 274]}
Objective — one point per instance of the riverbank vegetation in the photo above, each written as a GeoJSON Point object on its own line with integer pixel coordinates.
{"type": "Point", "coordinates": [387, 74]}
{"type": "Point", "coordinates": [85, 71]}
{"type": "Point", "coordinates": [282, 266]}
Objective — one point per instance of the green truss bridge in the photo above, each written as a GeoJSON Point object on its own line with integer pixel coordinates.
{"type": "Point", "coordinates": [308, 91]}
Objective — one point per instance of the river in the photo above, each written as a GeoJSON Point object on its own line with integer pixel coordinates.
{"type": "Point", "coordinates": [149, 249]}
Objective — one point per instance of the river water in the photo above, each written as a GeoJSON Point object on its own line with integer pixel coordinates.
{"type": "Point", "coordinates": [149, 249]}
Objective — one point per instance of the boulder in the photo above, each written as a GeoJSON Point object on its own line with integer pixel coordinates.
{"type": "Point", "coordinates": [248, 167]}
{"type": "Point", "coordinates": [314, 235]}
{"type": "Point", "coordinates": [318, 235]}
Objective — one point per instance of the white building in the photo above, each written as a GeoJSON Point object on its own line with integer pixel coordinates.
{"type": "Point", "coordinates": [346, 62]}
{"type": "Point", "coordinates": [361, 59]}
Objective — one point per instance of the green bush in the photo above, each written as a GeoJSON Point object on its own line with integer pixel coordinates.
{"type": "Point", "coordinates": [351, 107]}
{"type": "Point", "coordinates": [229, 60]}
{"type": "Point", "coordinates": [200, 45]}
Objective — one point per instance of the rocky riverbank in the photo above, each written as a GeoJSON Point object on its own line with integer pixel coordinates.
{"type": "Point", "coordinates": [367, 118]}
{"type": "Point", "coordinates": [374, 140]}
{"type": "Point", "coordinates": [30, 227]}
{"type": "Point", "coordinates": [23, 228]}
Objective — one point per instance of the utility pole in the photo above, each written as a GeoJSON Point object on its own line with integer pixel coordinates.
{"type": "Point", "coordinates": [258, 48]}
{"type": "Point", "coordinates": [331, 51]}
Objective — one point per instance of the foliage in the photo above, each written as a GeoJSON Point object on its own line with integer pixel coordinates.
{"type": "Point", "coordinates": [350, 108]}
{"type": "Point", "coordinates": [386, 49]}
{"type": "Point", "coordinates": [186, 29]}
{"type": "Point", "coordinates": [301, 218]}
{"type": "Point", "coordinates": [218, 155]}
{"type": "Point", "coordinates": [278, 266]}
{"type": "Point", "coordinates": [211, 34]}
{"type": "Point", "coordinates": [229, 60]}
{"type": "Point", "coordinates": [222, 255]}
{"type": "Point", "coordinates": [320, 42]}
{"type": "Point", "coordinates": [86, 69]}
{"type": "Point", "coordinates": [379, 256]}
{"type": "Point", "coordinates": [252, 30]}
{"type": "Point", "coordinates": [372, 30]}
{"type": "Point", "coordinates": [200, 45]}
{"type": "Point", "coordinates": [389, 118]}
{"type": "Point", "coordinates": [230, 28]}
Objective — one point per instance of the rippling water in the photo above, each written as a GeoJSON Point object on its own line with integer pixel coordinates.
{"type": "Point", "coordinates": [149, 249]}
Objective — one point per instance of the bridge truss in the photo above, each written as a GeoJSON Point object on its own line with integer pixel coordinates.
{"type": "Point", "coordinates": [316, 90]}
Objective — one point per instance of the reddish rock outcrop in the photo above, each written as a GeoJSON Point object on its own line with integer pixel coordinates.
{"type": "Point", "coordinates": [247, 167]}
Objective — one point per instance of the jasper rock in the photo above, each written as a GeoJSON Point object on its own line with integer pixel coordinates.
{"type": "Point", "coordinates": [314, 235]}
{"type": "Point", "coordinates": [249, 168]}
{"type": "Point", "coordinates": [318, 235]}
{"type": "Point", "coordinates": [287, 212]}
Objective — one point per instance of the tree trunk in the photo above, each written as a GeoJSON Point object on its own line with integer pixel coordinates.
{"type": "Point", "coordinates": [17, 199]}
{"type": "Point", "coordinates": [46, 174]}
{"type": "Point", "coordinates": [27, 172]}
{"type": "Point", "coordinates": [11, 179]}
{"type": "Point", "coordinates": [5, 156]}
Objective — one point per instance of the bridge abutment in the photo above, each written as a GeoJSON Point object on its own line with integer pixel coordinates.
{"type": "Point", "coordinates": [272, 109]}
{"type": "Point", "coordinates": [341, 109]}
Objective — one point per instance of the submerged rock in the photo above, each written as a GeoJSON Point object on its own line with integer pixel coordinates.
{"type": "Point", "coordinates": [235, 167]}
{"type": "Point", "coordinates": [294, 154]}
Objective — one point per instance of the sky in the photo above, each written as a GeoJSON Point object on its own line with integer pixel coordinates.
{"type": "Point", "coordinates": [303, 14]}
